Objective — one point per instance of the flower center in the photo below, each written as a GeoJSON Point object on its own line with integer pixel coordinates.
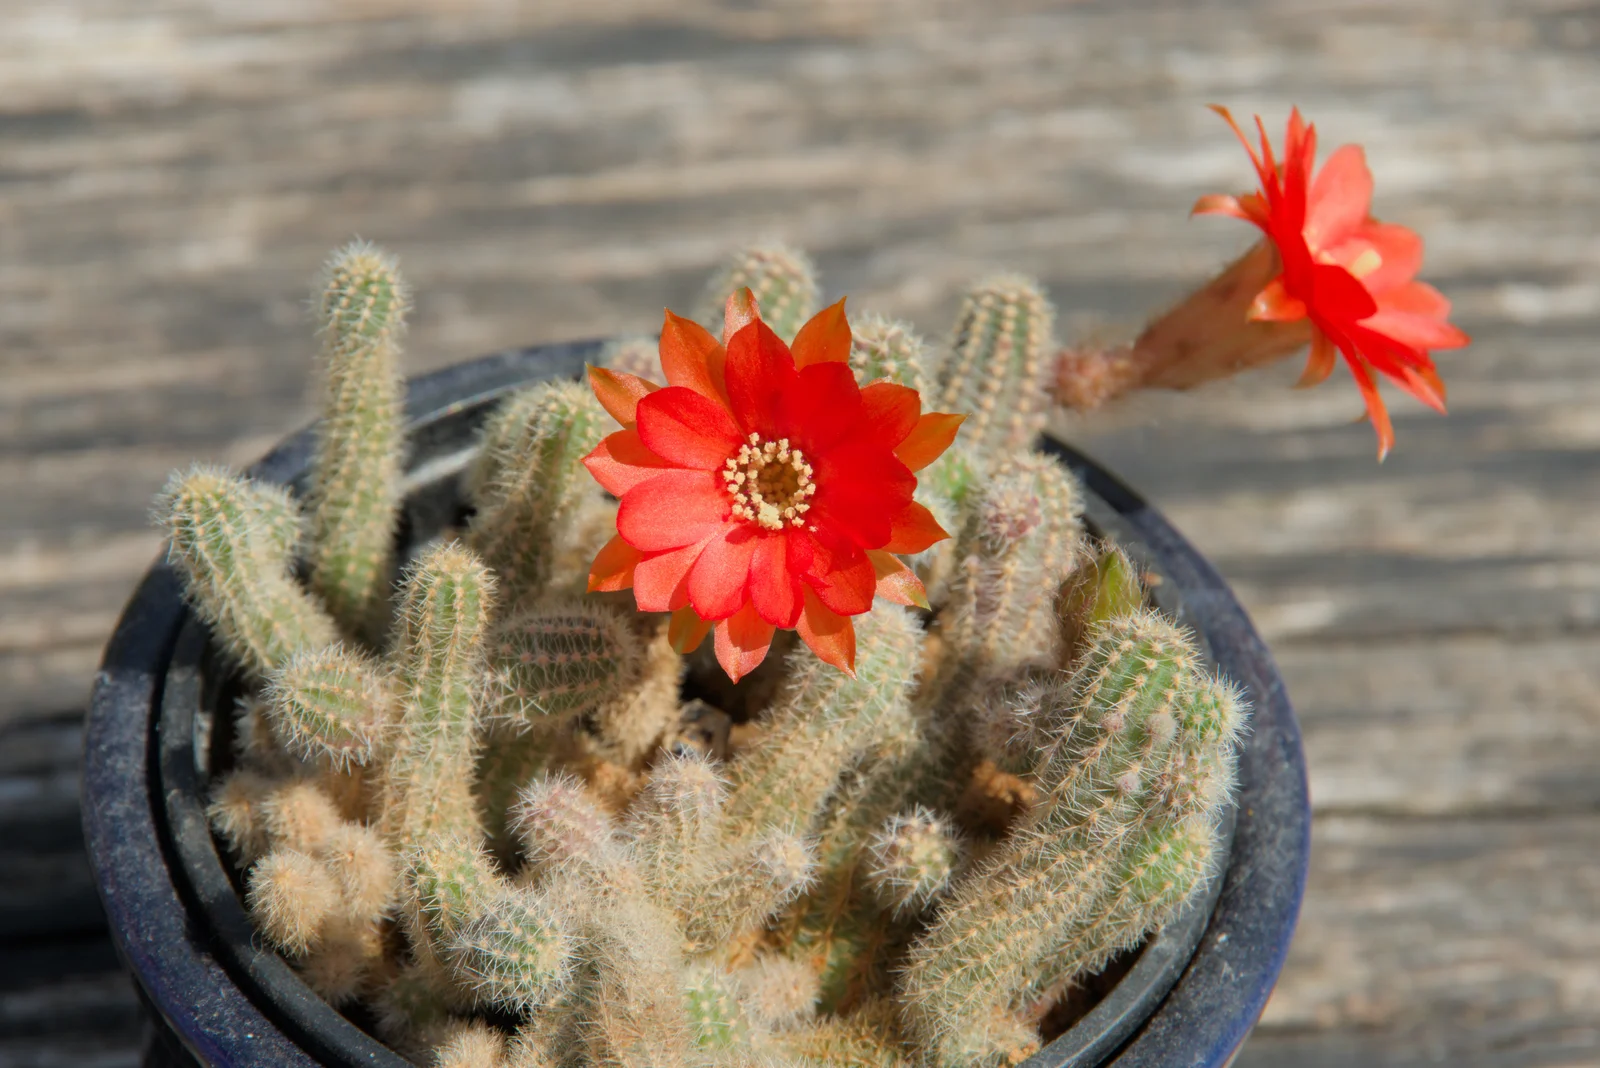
{"type": "Point", "coordinates": [770, 483]}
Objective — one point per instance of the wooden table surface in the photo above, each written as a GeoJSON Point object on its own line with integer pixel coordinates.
{"type": "Point", "coordinates": [172, 173]}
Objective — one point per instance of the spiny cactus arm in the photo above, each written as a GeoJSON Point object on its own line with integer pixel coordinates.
{"type": "Point", "coordinates": [889, 349]}
{"type": "Point", "coordinates": [528, 478]}
{"type": "Point", "coordinates": [673, 828]}
{"type": "Point", "coordinates": [911, 861]}
{"type": "Point", "coordinates": [298, 814]}
{"type": "Point", "coordinates": [777, 992]}
{"type": "Point", "coordinates": [471, 1044]}
{"type": "Point", "coordinates": [291, 897]}
{"type": "Point", "coordinates": [439, 646]}
{"type": "Point", "coordinates": [638, 355]}
{"type": "Point", "coordinates": [1197, 778]}
{"type": "Point", "coordinates": [999, 364]}
{"type": "Point", "coordinates": [629, 727]}
{"type": "Point", "coordinates": [564, 657]}
{"type": "Point", "coordinates": [329, 704]}
{"type": "Point", "coordinates": [446, 881]}
{"type": "Point", "coordinates": [715, 1014]}
{"type": "Point", "coordinates": [563, 828]}
{"type": "Point", "coordinates": [341, 966]}
{"type": "Point", "coordinates": [867, 1038]}
{"type": "Point", "coordinates": [781, 278]}
{"type": "Point", "coordinates": [822, 720]}
{"type": "Point", "coordinates": [236, 814]}
{"type": "Point", "coordinates": [413, 1009]}
{"type": "Point", "coordinates": [232, 544]}
{"type": "Point", "coordinates": [1021, 540]}
{"type": "Point", "coordinates": [754, 883]}
{"type": "Point", "coordinates": [354, 495]}
{"type": "Point", "coordinates": [365, 870]}
{"type": "Point", "coordinates": [1111, 587]}
{"type": "Point", "coordinates": [515, 952]}
{"type": "Point", "coordinates": [633, 1010]}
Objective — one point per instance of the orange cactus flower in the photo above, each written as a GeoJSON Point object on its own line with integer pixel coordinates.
{"type": "Point", "coordinates": [763, 488]}
{"type": "Point", "coordinates": [1350, 276]}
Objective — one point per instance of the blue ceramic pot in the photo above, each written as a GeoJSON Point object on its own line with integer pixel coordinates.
{"type": "Point", "coordinates": [1189, 997]}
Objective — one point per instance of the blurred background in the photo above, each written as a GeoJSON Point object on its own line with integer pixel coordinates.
{"type": "Point", "coordinates": [172, 174]}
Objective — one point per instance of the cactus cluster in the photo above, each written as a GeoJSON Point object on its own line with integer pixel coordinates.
{"type": "Point", "coordinates": [495, 808]}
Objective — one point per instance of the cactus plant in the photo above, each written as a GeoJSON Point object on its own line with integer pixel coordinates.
{"type": "Point", "coordinates": [503, 778]}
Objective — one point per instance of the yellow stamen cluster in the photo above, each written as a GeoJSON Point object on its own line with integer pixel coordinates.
{"type": "Point", "coordinates": [770, 483]}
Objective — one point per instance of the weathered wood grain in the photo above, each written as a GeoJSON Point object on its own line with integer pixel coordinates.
{"type": "Point", "coordinates": [172, 172]}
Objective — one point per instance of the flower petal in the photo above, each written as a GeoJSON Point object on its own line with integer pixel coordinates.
{"type": "Point", "coordinates": [692, 358]}
{"type": "Point", "coordinates": [897, 582]}
{"type": "Point", "coordinates": [841, 574]}
{"type": "Point", "coordinates": [1382, 255]}
{"type": "Point", "coordinates": [686, 429]}
{"type": "Point", "coordinates": [619, 393]}
{"type": "Point", "coordinates": [620, 462]}
{"type": "Point", "coordinates": [675, 508]}
{"type": "Point", "coordinates": [613, 567]}
{"type": "Point", "coordinates": [1274, 304]}
{"type": "Point", "coordinates": [661, 580]}
{"type": "Point", "coordinates": [774, 588]}
{"type": "Point", "coordinates": [860, 488]}
{"type": "Point", "coordinates": [742, 642]}
{"type": "Point", "coordinates": [719, 580]}
{"type": "Point", "coordinates": [1220, 204]}
{"type": "Point", "coordinates": [824, 339]}
{"type": "Point", "coordinates": [760, 371]}
{"type": "Point", "coordinates": [890, 411]}
{"type": "Point", "coordinates": [1376, 412]}
{"type": "Point", "coordinates": [1320, 364]}
{"type": "Point", "coordinates": [685, 631]}
{"type": "Point", "coordinates": [914, 530]}
{"type": "Point", "coordinates": [1340, 197]}
{"type": "Point", "coordinates": [831, 636]}
{"type": "Point", "coordinates": [822, 409]}
{"type": "Point", "coordinates": [934, 433]}
{"type": "Point", "coordinates": [739, 311]}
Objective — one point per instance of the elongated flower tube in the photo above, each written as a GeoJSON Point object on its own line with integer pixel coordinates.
{"type": "Point", "coordinates": [763, 488]}
{"type": "Point", "coordinates": [1326, 272]}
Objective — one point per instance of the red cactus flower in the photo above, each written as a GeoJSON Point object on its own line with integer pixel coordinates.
{"type": "Point", "coordinates": [1350, 275]}
{"type": "Point", "coordinates": [762, 488]}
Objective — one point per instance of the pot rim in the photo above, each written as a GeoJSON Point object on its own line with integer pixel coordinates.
{"type": "Point", "coordinates": [145, 826]}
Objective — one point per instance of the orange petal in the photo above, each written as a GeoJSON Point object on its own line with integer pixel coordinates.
{"type": "Point", "coordinates": [620, 462]}
{"type": "Point", "coordinates": [742, 641]}
{"type": "Point", "coordinates": [1274, 304]}
{"type": "Point", "coordinates": [1340, 197]}
{"type": "Point", "coordinates": [896, 581]}
{"type": "Point", "coordinates": [613, 566]}
{"type": "Point", "coordinates": [691, 357]}
{"type": "Point", "coordinates": [831, 636]}
{"type": "Point", "coordinates": [1376, 412]}
{"type": "Point", "coordinates": [740, 311]}
{"type": "Point", "coordinates": [824, 339]}
{"type": "Point", "coordinates": [1424, 384]}
{"type": "Point", "coordinates": [619, 393]}
{"type": "Point", "coordinates": [1320, 365]}
{"type": "Point", "coordinates": [933, 434]}
{"type": "Point", "coordinates": [685, 631]}
{"type": "Point", "coordinates": [913, 530]}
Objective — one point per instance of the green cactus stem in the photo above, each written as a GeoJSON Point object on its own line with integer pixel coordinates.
{"type": "Point", "coordinates": [782, 279]}
{"type": "Point", "coordinates": [998, 364]}
{"type": "Point", "coordinates": [354, 495]}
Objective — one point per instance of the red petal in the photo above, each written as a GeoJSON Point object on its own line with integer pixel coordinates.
{"type": "Point", "coordinates": [740, 311]}
{"type": "Point", "coordinates": [890, 411]}
{"type": "Point", "coordinates": [760, 372]}
{"type": "Point", "coordinates": [841, 574]}
{"type": "Point", "coordinates": [914, 530]}
{"type": "Point", "coordinates": [896, 581]}
{"type": "Point", "coordinates": [1339, 295]}
{"type": "Point", "coordinates": [831, 636]}
{"type": "Point", "coordinates": [1320, 364]}
{"type": "Point", "coordinates": [825, 339]}
{"type": "Point", "coordinates": [860, 488]}
{"type": "Point", "coordinates": [823, 408]}
{"type": "Point", "coordinates": [742, 642]}
{"type": "Point", "coordinates": [619, 393]}
{"type": "Point", "coordinates": [686, 429]}
{"type": "Point", "coordinates": [661, 581]}
{"type": "Point", "coordinates": [675, 508]}
{"type": "Point", "coordinates": [774, 588]}
{"type": "Point", "coordinates": [620, 462]}
{"type": "Point", "coordinates": [613, 567]}
{"type": "Point", "coordinates": [1398, 253]}
{"type": "Point", "coordinates": [1376, 412]}
{"type": "Point", "coordinates": [1417, 331]}
{"type": "Point", "coordinates": [720, 577]}
{"type": "Point", "coordinates": [692, 358]}
{"type": "Point", "coordinates": [1340, 197]}
{"type": "Point", "coordinates": [685, 631]}
{"type": "Point", "coordinates": [934, 433]}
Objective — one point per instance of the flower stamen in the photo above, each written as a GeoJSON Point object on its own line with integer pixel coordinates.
{"type": "Point", "coordinates": [770, 483]}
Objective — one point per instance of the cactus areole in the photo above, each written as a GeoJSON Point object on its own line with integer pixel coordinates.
{"type": "Point", "coordinates": [243, 960]}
